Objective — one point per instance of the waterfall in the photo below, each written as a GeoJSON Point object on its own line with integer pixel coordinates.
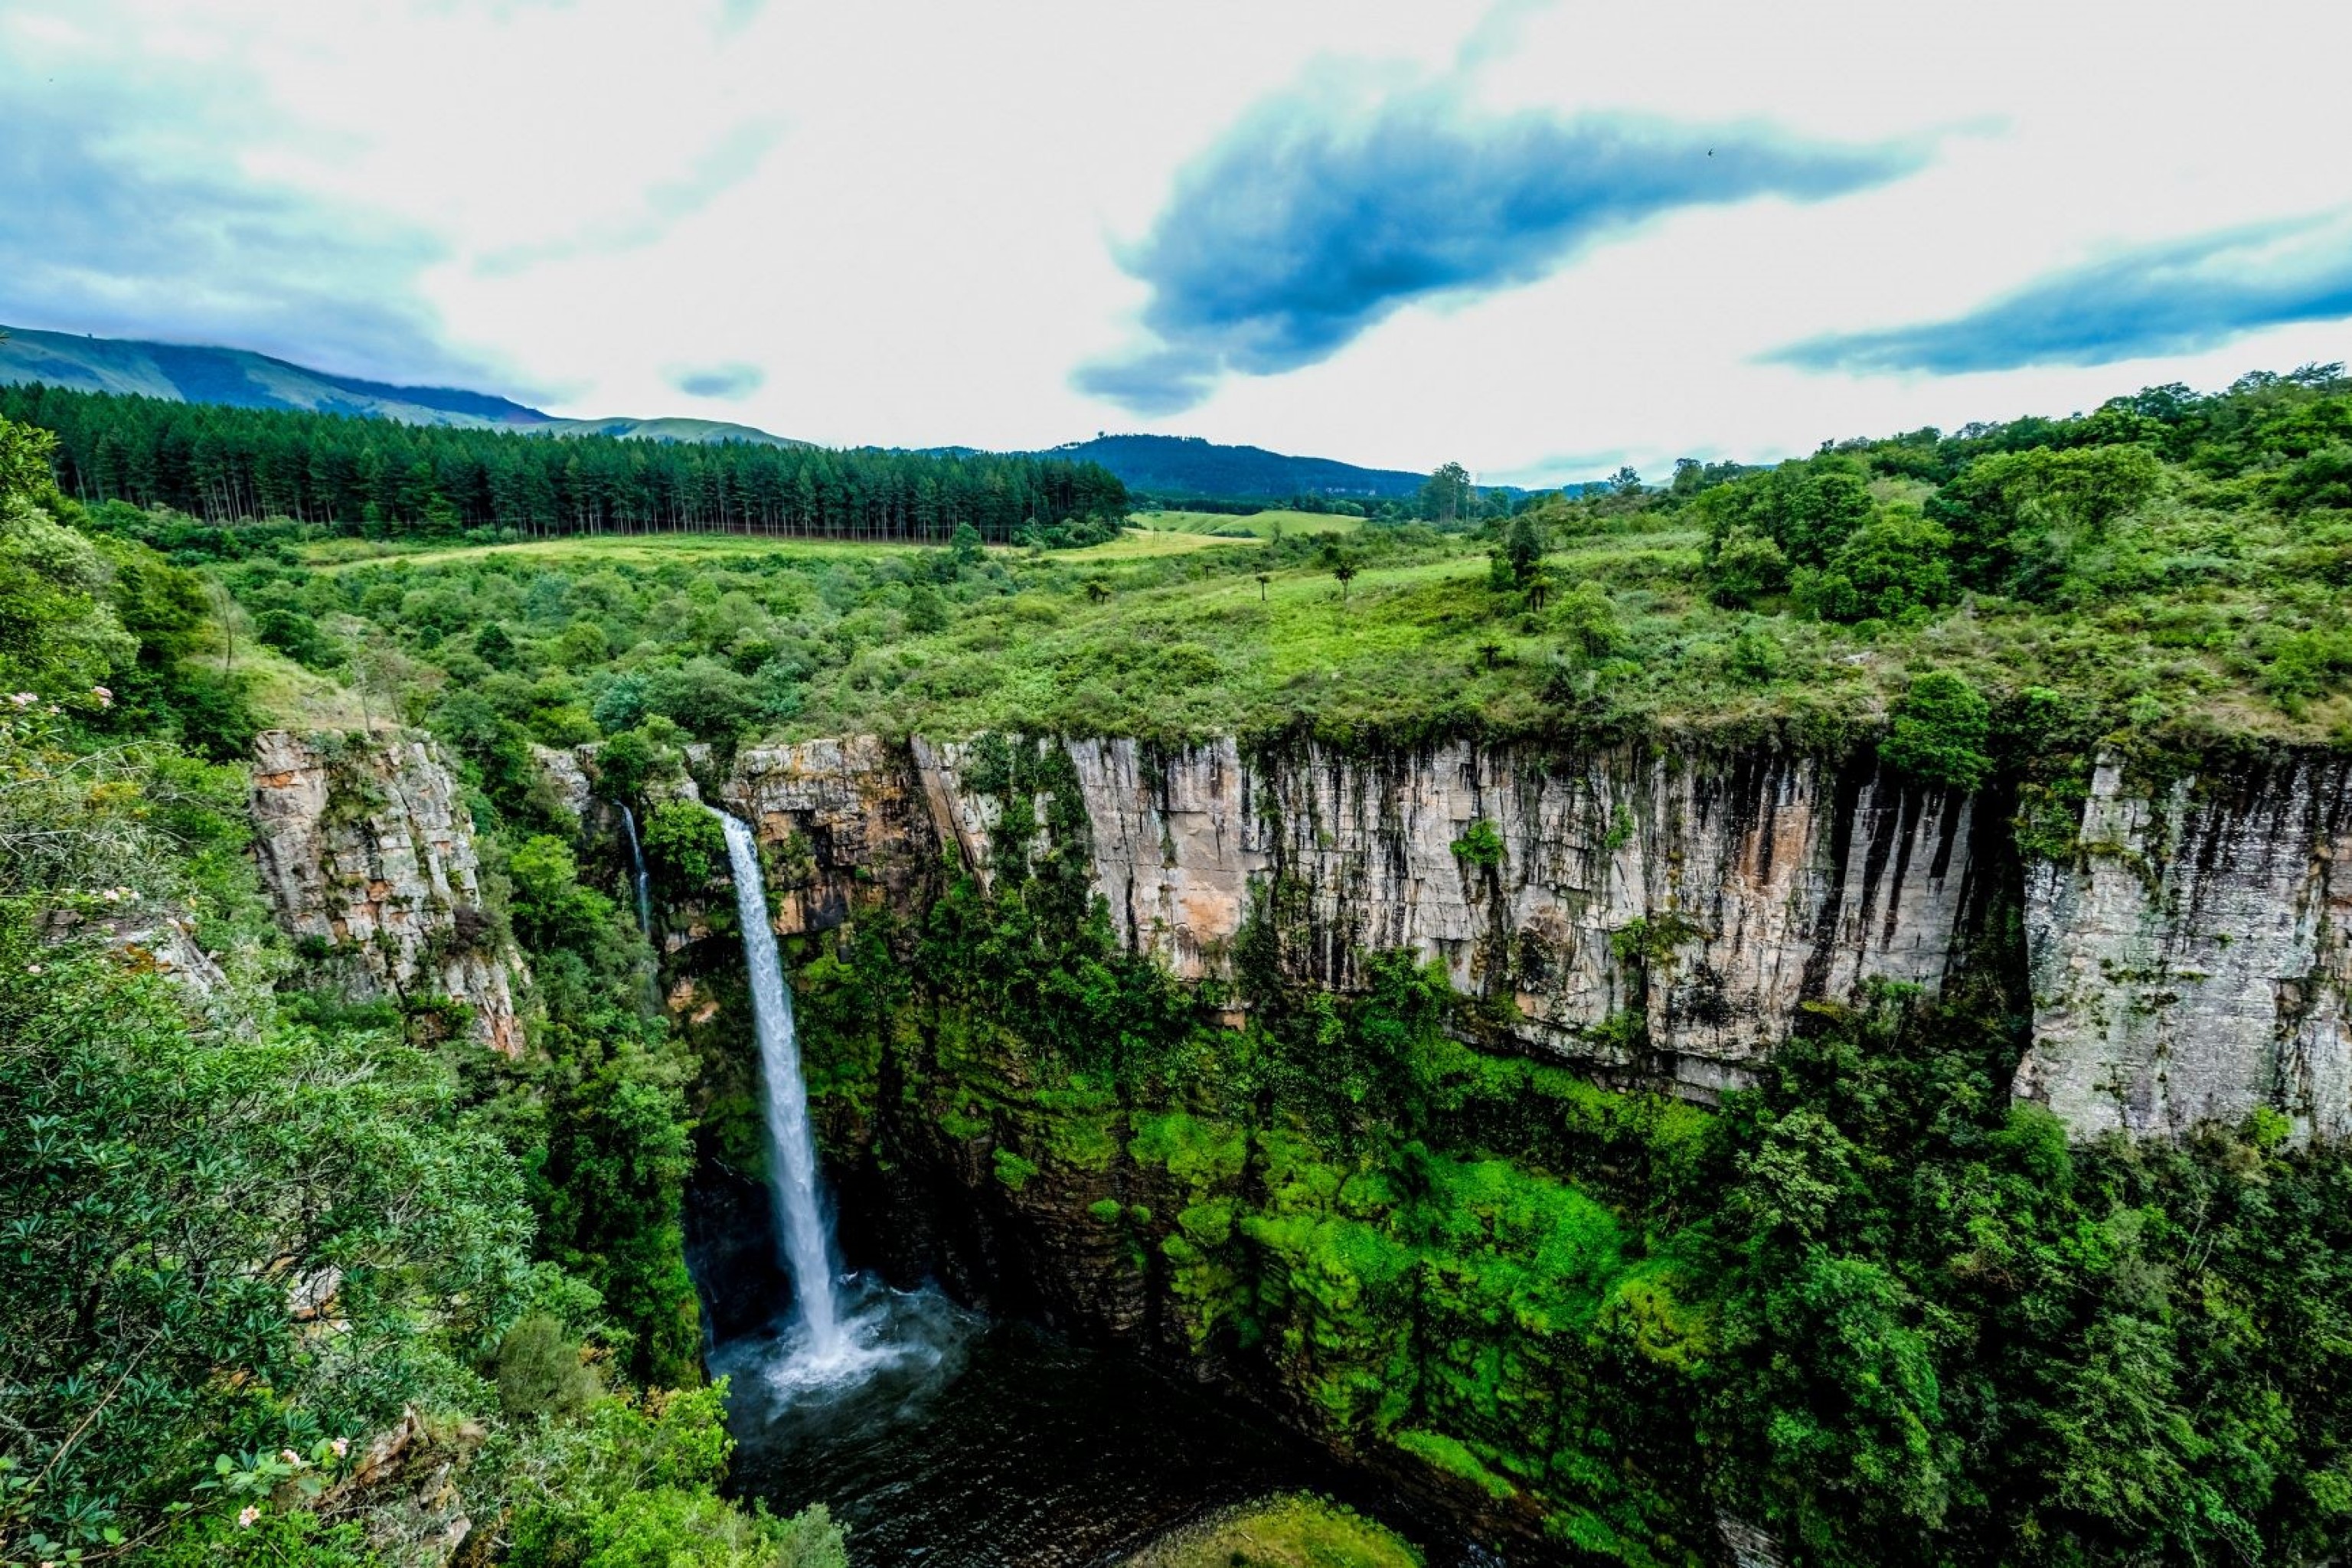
{"type": "Point", "coordinates": [637, 871]}
{"type": "Point", "coordinates": [803, 1228]}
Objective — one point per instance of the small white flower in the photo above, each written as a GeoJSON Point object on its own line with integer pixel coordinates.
{"type": "Point", "coordinates": [246, 1515]}
{"type": "Point", "coordinates": [105, 698]}
{"type": "Point", "coordinates": [32, 969]}
{"type": "Point", "coordinates": [289, 1457]}
{"type": "Point", "coordinates": [23, 699]}
{"type": "Point", "coordinates": [342, 1445]}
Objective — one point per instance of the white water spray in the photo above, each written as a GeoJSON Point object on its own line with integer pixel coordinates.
{"type": "Point", "coordinates": [637, 873]}
{"type": "Point", "coordinates": [804, 1227]}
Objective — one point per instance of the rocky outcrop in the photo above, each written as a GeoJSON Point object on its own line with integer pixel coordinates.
{"type": "Point", "coordinates": [567, 777]}
{"type": "Point", "coordinates": [369, 859]}
{"type": "Point", "coordinates": [153, 937]}
{"type": "Point", "coordinates": [843, 825]}
{"type": "Point", "coordinates": [1710, 898]}
{"type": "Point", "coordinates": [2193, 959]}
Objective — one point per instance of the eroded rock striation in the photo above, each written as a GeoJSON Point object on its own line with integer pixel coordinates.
{"type": "Point", "coordinates": [844, 825]}
{"type": "Point", "coordinates": [1663, 914]}
{"type": "Point", "coordinates": [2192, 958]}
{"type": "Point", "coordinates": [366, 849]}
{"type": "Point", "coordinates": [1653, 914]}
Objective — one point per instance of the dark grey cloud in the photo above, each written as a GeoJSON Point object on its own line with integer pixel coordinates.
{"type": "Point", "coordinates": [1310, 221]}
{"type": "Point", "coordinates": [2176, 297]}
{"type": "Point", "coordinates": [719, 380]}
{"type": "Point", "coordinates": [156, 235]}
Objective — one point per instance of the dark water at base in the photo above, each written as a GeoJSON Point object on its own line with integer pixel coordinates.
{"type": "Point", "coordinates": [994, 1442]}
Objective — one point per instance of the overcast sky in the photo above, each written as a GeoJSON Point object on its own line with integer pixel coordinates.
{"type": "Point", "coordinates": [1537, 238]}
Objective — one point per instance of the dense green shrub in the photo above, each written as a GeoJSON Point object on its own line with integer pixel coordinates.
{"type": "Point", "coordinates": [2019, 520]}
{"type": "Point", "coordinates": [631, 1488]}
{"type": "Point", "coordinates": [1806, 507]}
{"type": "Point", "coordinates": [540, 1373]}
{"type": "Point", "coordinates": [1887, 570]}
{"type": "Point", "coordinates": [168, 1189]}
{"type": "Point", "coordinates": [1744, 566]}
{"type": "Point", "coordinates": [684, 846]}
{"type": "Point", "coordinates": [1480, 846]}
{"type": "Point", "coordinates": [1938, 731]}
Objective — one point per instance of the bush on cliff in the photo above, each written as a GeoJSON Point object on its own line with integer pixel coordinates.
{"type": "Point", "coordinates": [1938, 733]}
{"type": "Point", "coordinates": [685, 847]}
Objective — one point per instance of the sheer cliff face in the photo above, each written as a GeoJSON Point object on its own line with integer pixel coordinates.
{"type": "Point", "coordinates": [364, 846]}
{"type": "Point", "coordinates": [2193, 958]}
{"type": "Point", "coordinates": [1712, 899]}
{"type": "Point", "coordinates": [2190, 960]}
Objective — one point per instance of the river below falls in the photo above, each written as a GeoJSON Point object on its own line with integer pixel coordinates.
{"type": "Point", "coordinates": [982, 1442]}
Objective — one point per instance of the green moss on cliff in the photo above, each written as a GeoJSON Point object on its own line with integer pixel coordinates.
{"type": "Point", "coordinates": [1867, 1305]}
{"type": "Point", "coordinates": [1282, 1533]}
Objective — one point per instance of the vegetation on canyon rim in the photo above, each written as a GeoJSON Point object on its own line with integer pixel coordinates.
{"type": "Point", "coordinates": [2170, 567]}
{"type": "Point", "coordinates": [1868, 1305]}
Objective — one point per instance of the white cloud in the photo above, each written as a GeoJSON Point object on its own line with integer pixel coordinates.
{"type": "Point", "coordinates": [905, 216]}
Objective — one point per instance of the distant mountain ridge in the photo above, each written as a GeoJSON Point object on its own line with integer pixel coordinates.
{"type": "Point", "coordinates": [1190, 466]}
{"type": "Point", "coordinates": [188, 373]}
{"type": "Point", "coordinates": [1172, 467]}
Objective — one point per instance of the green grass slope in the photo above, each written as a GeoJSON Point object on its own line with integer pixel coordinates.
{"type": "Point", "coordinates": [1297, 1531]}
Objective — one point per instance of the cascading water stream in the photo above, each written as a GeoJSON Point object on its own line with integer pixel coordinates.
{"type": "Point", "coordinates": [804, 1225]}
{"type": "Point", "coordinates": [637, 872]}
{"type": "Point", "coordinates": [859, 1399]}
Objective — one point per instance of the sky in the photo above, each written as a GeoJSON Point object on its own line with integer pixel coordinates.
{"type": "Point", "coordinates": [1539, 239]}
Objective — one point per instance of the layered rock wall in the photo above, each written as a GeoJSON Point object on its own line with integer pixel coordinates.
{"type": "Point", "coordinates": [2192, 958]}
{"type": "Point", "coordinates": [1710, 898]}
{"type": "Point", "coordinates": [364, 847]}
{"type": "Point", "coordinates": [843, 823]}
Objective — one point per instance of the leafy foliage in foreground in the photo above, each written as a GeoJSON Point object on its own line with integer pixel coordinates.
{"type": "Point", "coordinates": [178, 1204]}
{"type": "Point", "coordinates": [263, 1252]}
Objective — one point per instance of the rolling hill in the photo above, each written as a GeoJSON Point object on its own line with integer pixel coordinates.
{"type": "Point", "coordinates": [1165, 465]}
{"type": "Point", "coordinates": [198, 373]}
{"type": "Point", "coordinates": [1189, 466]}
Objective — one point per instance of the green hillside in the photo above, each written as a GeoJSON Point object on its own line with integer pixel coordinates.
{"type": "Point", "coordinates": [2165, 577]}
{"type": "Point", "coordinates": [1189, 466]}
{"type": "Point", "coordinates": [1869, 1299]}
{"type": "Point", "coordinates": [692, 432]}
